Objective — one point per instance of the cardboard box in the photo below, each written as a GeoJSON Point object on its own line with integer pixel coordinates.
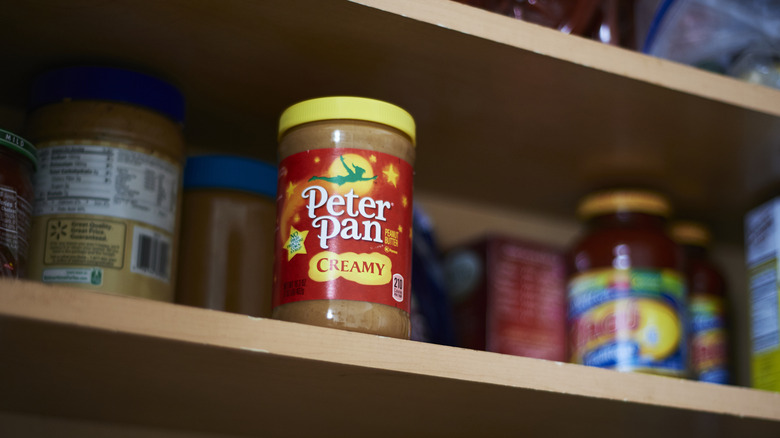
{"type": "Point", "coordinates": [509, 296]}
{"type": "Point", "coordinates": [762, 250]}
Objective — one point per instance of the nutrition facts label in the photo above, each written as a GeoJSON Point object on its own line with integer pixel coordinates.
{"type": "Point", "coordinates": [108, 181]}
{"type": "Point", "coordinates": [14, 221]}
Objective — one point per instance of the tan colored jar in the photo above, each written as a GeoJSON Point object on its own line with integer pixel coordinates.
{"type": "Point", "coordinates": [227, 235]}
{"type": "Point", "coordinates": [344, 221]}
{"type": "Point", "coordinates": [108, 188]}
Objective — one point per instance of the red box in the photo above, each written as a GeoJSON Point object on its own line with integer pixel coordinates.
{"type": "Point", "coordinates": [509, 296]}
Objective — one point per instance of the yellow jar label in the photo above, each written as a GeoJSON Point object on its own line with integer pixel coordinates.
{"type": "Point", "coordinates": [71, 241]}
{"type": "Point", "coordinates": [629, 320]}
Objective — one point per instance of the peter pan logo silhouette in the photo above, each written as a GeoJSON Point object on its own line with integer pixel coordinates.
{"type": "Point", "coordinates": [355, 174]}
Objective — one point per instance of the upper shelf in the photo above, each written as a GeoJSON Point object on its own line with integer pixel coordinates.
{"type": "Point", "coordinates": [83, 355]}
{"type": "Point", "coordinates": [508, 112]}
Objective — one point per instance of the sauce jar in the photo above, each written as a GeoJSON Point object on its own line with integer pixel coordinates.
{"type": "Point", "coordinates": [626, 293]}
{"type": "Point", "coordinates": [17, 166]}
{"type": "Point", "coordinates": [344, 221]}
{"type": "Point", "coordinates": [227, 234]}
{"type": "Point", "coordinates": [108, 188]}
{"type": "Point", "coordinates": [707, 307]}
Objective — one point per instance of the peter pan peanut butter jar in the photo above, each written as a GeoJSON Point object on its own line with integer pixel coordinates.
{"type": "Point", "coordinates": [344, 216]}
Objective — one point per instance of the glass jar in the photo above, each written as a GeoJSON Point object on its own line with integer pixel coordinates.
{"type": "Point", "coordinates": [227, 234]}
{"type": "Point", "coordinates": [108, 187]}
{"type": "Point", "coordinates": [626, 294]}
{"type": "Point", "coordinates": [17, 166]}
{"type": "Point", "coordinates": [707, 307]}
{"type": "Point", "coordinates": [344, 224]}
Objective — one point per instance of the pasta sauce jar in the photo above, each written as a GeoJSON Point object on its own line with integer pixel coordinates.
{"type": "Point", "coordinates": [627, 295]}
{"type": "Point", "coordinates": [17, 165]}
{"type": "Point", "coordinates": [344, 216]}
{"type": "Point", "coordinates": [707, 305]}
{"type": "Point", "coordinates": [108, 186]}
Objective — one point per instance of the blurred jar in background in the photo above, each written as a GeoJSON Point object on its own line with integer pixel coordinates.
{"type": "Point", "coordinates": [227, 237]}
{"type": "Point", "coordinates": [608, 21]}
{"type": "Point", "coordinates": [707, 306]}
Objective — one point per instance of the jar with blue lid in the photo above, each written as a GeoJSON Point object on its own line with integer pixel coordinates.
{"type": "Point", "coordinates": [111, 152]}
{"type": "Point", "coordinates": [227, 239]}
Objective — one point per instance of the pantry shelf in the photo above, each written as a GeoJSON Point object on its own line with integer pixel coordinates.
{"type": "Point", "coordinates": [73, 354]}
{"type": "Point", "coordinates": [543, 117]}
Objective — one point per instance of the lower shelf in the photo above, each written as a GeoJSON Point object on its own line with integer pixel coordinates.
{"type": "Point", "coordinates": [72, 354]}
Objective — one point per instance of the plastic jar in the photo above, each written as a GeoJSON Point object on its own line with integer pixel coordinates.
{"type": "Point", "coordinates": [344, 225]}
{"type": "Point", "coordinates": [108, 187]}
{"type": "Point", "coordinates": [227, 235]}
{"type": "Point", "coordinates": [17, 165]}
{"type": "Point", "coordinates": [626, 294]}
{"type": "Point", "coordinates": [707, 307]}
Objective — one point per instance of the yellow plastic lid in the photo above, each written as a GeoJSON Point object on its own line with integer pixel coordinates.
{"type": "Point", "coordinates": [690, 233]}
{"type": "Point", "coordinates": [350, 108]}
{"type": "Point", "coordinates": [613, 201]}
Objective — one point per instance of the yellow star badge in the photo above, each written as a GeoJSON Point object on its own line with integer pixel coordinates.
{"type": "Point", "coordinates": [295, 243]}
{"type": "Point", "coordinates": [392, 175]}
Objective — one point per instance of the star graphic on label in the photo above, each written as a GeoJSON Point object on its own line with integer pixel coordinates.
{"type": "Point", "coordinates": [372, 159]}
{"type": "Point", "coordinates": [295, 243]}
{"type": "Point", "coordinates": [291, 189]}
{"type": "Point", "coordinates": [404, 201]}
{"type": "Point", "coordinates": [391, 174]}
{"type": "Point", "coordinates": [316, 159]}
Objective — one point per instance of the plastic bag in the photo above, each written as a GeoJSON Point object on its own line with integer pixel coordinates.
{"type": "Point", "coordinates": [718, 35]}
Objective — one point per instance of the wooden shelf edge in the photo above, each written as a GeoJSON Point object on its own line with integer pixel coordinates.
{"type": "Point", "coordinates": [592, 54]}
{"type": "Point", "coordinates": [62, 305]}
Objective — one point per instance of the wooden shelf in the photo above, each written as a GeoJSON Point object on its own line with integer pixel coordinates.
{"type": "Point", "coordinates": [83, 355]}
{"type": "Point", "coordinates": [542, 116]}
{"type": "Point", "coordinates": [511, 116]}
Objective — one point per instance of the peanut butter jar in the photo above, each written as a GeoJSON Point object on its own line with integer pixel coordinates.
{"type": "Point", "coordinates": [108, 189]}
{"type": "Point", "coordinates": [344, 215]}
{"type": "Point", "coordinates": [227, 237]}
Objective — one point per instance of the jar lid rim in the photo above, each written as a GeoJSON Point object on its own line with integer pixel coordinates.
{"type": "Point", "coordinates": [18, 144]}
{"type": "Point", "coordinates": [347, 108]}
{"type": "Point", "coordinates": [690, 233]}
{"type": "Point", "coordinates": [108, 84]}
{"type": "Point", "coordinates": [230, 172]}
{"type": "Point", "coordinates": [615, 201]}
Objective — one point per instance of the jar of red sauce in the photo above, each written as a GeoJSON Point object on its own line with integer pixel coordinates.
{"type": "Point", "coordinates": [707, 305]}
{"type": "Point", "coordinates": [626, 292]}
{"type": "Point", "coordinates": [17, 165]}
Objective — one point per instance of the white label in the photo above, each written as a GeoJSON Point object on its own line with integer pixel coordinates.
{"type": "Point", "coordinates": [106, 181]}
{"type": "Point", "coordinates": [93, 276]}
{"type": "Point", "coordinates": [398, 287]}
{"type": "Point", "coordinates": [765, 321]}
{"type": "Point", "coordinates": [151, 254]}
{"type": "Point", "coordinates": [15, 213]}
{"type": "Point", "coordinates": [760, 234]}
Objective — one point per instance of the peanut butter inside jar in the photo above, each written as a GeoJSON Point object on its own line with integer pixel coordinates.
{"type": "Point", "coordinates": [362, 159]}
{"type": "Point", "coordinates": [108, 188]}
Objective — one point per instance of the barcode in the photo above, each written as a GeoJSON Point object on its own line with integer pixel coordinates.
{"type": "Point", "coordinates": [151, 254]}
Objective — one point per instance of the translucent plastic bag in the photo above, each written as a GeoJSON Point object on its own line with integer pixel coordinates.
{"type": "Point", "coordinates": [737, 37]}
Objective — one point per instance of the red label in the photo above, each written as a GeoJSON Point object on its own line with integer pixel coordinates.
{"type": "Point", "coordinates": [345, 228]}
